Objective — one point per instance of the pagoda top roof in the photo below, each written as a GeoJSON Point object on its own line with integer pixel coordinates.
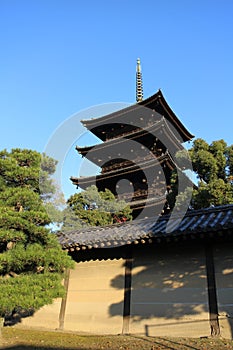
{"type": "Point", "coordinates": [156, 102]}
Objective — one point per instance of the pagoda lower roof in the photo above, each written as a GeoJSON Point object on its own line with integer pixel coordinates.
{"type": "Point", "coordinates": [86, 181]}
{"type": "Point", "coordinates": [170, 139]}
{"type": "Point", "coordinates": [101, 125]}
{"type": "Point", "coordinates": [149, 201]}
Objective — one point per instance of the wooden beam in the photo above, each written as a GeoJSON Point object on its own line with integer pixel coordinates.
{"type": "Point", "coordinates": [212, 294]}
{"type": "Point", "coordinates": [127, 290]}
{"type": "Point", "coordinates": [64, 300]}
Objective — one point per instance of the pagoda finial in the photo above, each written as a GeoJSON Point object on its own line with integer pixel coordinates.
{"type": "Point", "coordinates": [139, 87]}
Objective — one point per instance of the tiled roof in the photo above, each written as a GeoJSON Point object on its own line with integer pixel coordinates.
{"type": "Point", "coordinates": [195, 224]}
{"type": "Point", "coordinates": [155, 102]}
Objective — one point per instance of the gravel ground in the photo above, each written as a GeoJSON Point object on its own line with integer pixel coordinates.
{"type": "Point", "coordinates": [26, 339]}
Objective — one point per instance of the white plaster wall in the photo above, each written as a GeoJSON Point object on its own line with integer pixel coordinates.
{"type": "Point", "coordinates": [223, 258]}
{"type": "Point", "coordinates": [91, 294]}
{"type": "Point", "coordinates": [169, 293]}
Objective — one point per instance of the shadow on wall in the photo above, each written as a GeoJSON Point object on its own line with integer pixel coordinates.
{"type": "Point", "coordinates": [168, 283]}
{"type": "Point", "coordinates": [16, 316]}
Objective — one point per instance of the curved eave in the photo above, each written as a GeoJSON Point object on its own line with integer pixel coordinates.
{"type": "Point", "coordinates": [93, 153]}
{"type": "Point", "coordinates": [139, 204]}
{"type": "Point", "coordinates": [86, 181]}
{"type": "Point", "coordinates": [150, 102]}
{"type": "Point", "coordinates": [84, 150]}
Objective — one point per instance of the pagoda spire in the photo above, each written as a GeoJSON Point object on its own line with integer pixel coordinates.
{"type": "Point", "coordinates": [139, 87]}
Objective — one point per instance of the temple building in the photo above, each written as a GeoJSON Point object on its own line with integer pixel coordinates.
{"type": "Point", "coordinates": [138, 152]}
{"type": "Point", "coordinates": [162, 275]}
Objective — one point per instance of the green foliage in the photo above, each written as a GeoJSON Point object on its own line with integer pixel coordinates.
{"type": "Point", "coordinates": [176, 196]}
{"type": "Point", "coordinates": [94, 208]}
{"type": "Point", "coordinates": [55, 205]}
{"type": "Point", "coordinates": [31, 260]}
{"type": "Point", "coordinates": [229, 156]}
{"type": "Point", "coordinates": [216, 192]}
{"type": "Point", "coordinates": [213, 165]}
{"type": "Point", "coordinates": [29, 291]}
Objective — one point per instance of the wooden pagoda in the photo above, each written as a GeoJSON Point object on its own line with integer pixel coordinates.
{"type": "Point", "coordinates": [137, 153]}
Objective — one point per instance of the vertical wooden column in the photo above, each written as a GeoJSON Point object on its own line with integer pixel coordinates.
{"type": "Point", "coordinates": [212, 294]}
{"type": "Point", "coordinates": [64, 300]}
{"type": "Point", "coordinates": [127, 290]}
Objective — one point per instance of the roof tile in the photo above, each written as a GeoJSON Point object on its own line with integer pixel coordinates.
{"type": "Point", "coordinates": [195, 221]}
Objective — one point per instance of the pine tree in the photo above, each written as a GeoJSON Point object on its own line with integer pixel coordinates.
{"type": "Point", "coordinates": [31, 260]}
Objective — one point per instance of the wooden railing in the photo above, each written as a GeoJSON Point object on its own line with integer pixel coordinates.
{"type": "Point", "coordinates": [137, 161]}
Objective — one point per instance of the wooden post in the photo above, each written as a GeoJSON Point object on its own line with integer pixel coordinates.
{"type": "Point", "coordinates": [64, 300]}
{"type": "Point", "coordinates": [127, 292]}
{"type": "Point", "coordinates": [212, 295]}
{"type": "Point", "coordinates": [1, 326]}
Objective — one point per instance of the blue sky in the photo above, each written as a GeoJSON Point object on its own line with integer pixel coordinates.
{"type": "Point", "coordinates": [60, 57]}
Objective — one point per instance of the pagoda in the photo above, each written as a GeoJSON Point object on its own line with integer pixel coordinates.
{"type": "Point", "coordinates": [138, 152]}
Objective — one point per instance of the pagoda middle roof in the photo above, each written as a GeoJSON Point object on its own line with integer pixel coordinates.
{"type": "Point", "coordinates": [85, 181]}
{"type": "Point", "coordinates": [157, 103]}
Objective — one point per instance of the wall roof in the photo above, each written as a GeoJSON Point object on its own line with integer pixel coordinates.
{"type": "Point", "coordinates": [195, 224]}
